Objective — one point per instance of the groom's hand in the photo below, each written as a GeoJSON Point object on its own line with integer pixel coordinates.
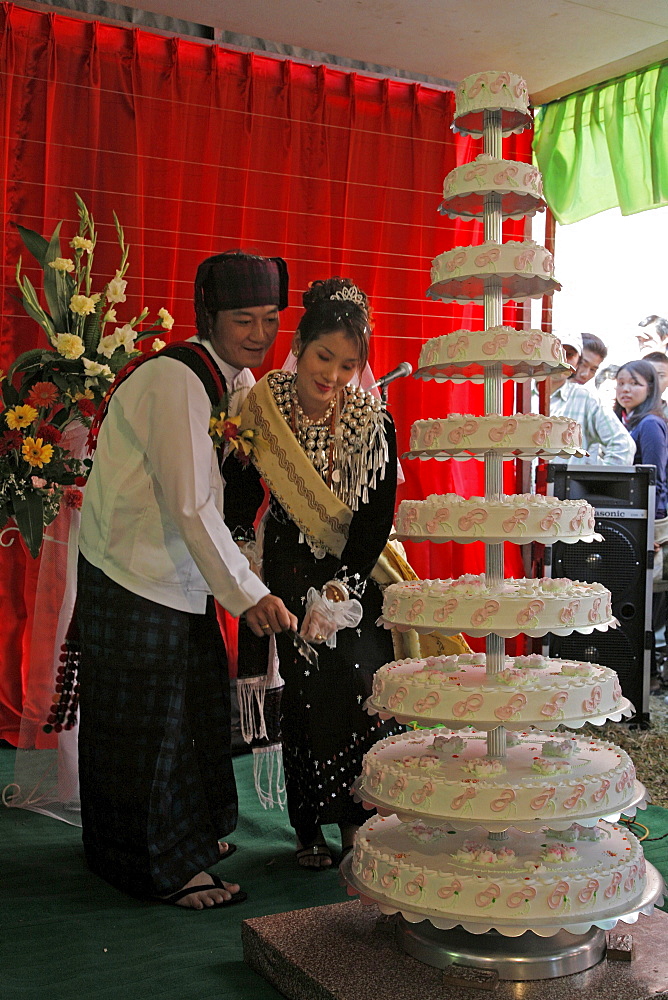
{"type": "Point", "coordinates": [270, 615]}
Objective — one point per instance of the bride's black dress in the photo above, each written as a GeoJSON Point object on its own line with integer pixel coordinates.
{"type": "Point", "coordinates": [325, 730]}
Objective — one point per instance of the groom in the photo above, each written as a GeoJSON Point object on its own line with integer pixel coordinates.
{"type": "Point", "coordinates": [157, 785]}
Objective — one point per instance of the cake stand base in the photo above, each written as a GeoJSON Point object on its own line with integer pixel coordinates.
{"type": "Point", "coordinates": [524, 958]}
{"type": "Point", "coordinates": [347, 951]}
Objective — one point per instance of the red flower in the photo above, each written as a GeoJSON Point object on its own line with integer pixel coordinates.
{"type": "Point", "coordinates": [80, 481]}
{"type": "Point", "coordinates": [10, 441]}
{"type": "Point", "coordinates": [86, 407]}
{"type": "Point", "coordinates": [72, 498]}
{"type": "Point", "coordinates": [42, 395]}
{"type": "Point", "coordinates": [230, 430]}
{"type": "Point", "coordinates": [49, 434]}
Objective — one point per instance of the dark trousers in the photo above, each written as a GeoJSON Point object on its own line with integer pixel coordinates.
{"type": "Point", "coordinates": [157, 785]}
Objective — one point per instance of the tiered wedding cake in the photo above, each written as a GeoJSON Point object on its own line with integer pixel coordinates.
{"type": "Point", "coordinates": [501, 825]}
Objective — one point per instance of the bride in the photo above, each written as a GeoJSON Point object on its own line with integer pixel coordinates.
{"type": "Point", "coordinates": [327, 453]}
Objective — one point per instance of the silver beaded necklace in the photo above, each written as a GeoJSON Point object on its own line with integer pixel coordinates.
{"type": "Point", "coordinates": [347, 445]}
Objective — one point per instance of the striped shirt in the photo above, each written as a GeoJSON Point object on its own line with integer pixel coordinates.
{"type": "Point", "coordinates": [599, 425]}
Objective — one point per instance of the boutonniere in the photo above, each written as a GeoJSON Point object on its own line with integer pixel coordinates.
{"type": "Point", "coordinates": [225, 430]}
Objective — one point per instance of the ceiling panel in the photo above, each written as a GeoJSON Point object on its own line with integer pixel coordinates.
{"type": "Point", "coordinates": [558, 46]}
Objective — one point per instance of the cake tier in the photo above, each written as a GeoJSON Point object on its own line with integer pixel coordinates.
{"type": "Point", "coordinates": [530, 880]}
{"type": "Point", "coordinates": [492, 90]}
{"type": "Point", "coordinates": [522, 518]}
{"type": "Point", "coordinates": [530, 691]}
{"type": "Point", "coordinates": [511, 607]}
{"type": "Point", "coordinates": [465, 187]}
{"type": "Point", "coordinates": [544, 779]}
{"type": "Point", "coordinates": [526, 434]}
{"type": "Point", "coordinates": [465, 355]}
{"type": "Point", "coordinates": [523, 270]}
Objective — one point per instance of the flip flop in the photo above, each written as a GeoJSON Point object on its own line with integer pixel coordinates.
{"type": "Point", "coordinates": [314, 851]}
{"type": "Point", "coordinates": [231, 848]}
{"type": "Point", "coordinates": [216, 883]}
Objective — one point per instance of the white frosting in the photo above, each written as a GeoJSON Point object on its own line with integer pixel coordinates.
{"type": "Point", "coordinates": [466, 354]}
{"type": "Point", "coordinates": [521, 518]}
{"type": "Point", "coordinates": [409, 773]}
{"type": "Point", "coordinates": [526, 883]}
{"type": "Point", "coordinates": [468, 604]}
{"type": "Point", "coordinates": [531, 691]}
{"type": "Point", "coordinates": [526, 270]}
{"type": "Point", "coordinates": [465, 187]}
{"type": "Point", "coordinates": [492, 90]}
{"type": "Point", "coordinates": [526, 433]}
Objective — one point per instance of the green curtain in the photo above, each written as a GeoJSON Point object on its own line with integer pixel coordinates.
{"type": "Point", "coordinates": [606, 146]}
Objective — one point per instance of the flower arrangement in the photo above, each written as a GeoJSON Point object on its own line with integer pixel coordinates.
{"type": "Point", "coordinates": [224, 430]}
{"type": "Point", "coordinates": [37, 474]}
{"type": "Point", "coordinates": [45, 389]}
{"type": "Point", "coordinates": [82, 357]}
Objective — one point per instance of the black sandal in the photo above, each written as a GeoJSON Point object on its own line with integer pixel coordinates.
{"type": "Point", "coordinates": [216, 883]}
{"type": "Point", "coordinates": [314, 851]}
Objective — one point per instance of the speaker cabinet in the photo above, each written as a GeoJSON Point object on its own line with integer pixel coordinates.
{"type": "Point", "coordinates": [622, 562]}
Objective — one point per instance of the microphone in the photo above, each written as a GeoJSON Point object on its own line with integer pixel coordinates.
{"type": "Point", "coordinates": [405, 368]}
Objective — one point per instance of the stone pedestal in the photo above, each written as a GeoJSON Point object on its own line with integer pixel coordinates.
{"type": "Point", "coordinates": [347, 951]}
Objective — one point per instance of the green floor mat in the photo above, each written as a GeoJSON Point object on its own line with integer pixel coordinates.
{"type": "Point", "coordinates": [65, 934]}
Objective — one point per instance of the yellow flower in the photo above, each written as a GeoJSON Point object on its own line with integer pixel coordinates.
{"type": "Point", "coordinates": [79, 243]}
{"type": "Point", "coordinates": [116, 289]}
{"type": "Point", "coordinates": [20, 416]}
{"type": "Point", "coordinates": [82, 305]}
{"type": "Point", "coordinates": [88, 394]}
{"type": "Point", "coordinates": [62, 264]}
{"type": "Point", "coordinates": [69, 345]}
{"type": "Point", "coordinates": [166, 320]}
{"type": "Point", "coordinates": [36, 453]}
{"type": "Point", "coordinates": [158, 344]}
{"type": "Point", "coordinates": [2, 375]}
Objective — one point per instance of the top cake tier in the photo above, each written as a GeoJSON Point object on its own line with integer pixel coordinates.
{"type": "Point", "coordinates": [520, 186]}
{"type": "Point", "coordinates": [492, 90]}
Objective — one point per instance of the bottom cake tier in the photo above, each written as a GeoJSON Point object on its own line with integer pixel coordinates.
{"type": "Point", "coordinates": [524, 878]}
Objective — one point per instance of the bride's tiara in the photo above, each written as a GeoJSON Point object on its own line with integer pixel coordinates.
{"type": "Point", "coordinates": [349, 293]}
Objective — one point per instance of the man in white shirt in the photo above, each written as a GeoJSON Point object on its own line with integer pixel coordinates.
{"type": "Point", "coordinates": [157, 786]}
{"type": "Point", "coordinates": [600, 426]}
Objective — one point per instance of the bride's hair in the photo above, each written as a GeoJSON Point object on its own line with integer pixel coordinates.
{"type": "Point", "coordinates": [336, 304]}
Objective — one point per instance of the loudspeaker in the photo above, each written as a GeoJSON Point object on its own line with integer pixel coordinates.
{"type": "Point", "coordinates": [622, 496]}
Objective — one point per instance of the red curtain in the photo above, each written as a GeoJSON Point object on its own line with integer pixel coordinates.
{"type": "Point", "coordinates": [200, 149]}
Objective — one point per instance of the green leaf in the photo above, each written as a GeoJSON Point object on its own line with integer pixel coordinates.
{"type": "Point", "coordinates": [29, 517]}
{"type": "Point", "coordinates": [34, 309]}
{"type": "Point", "coordinates": [35, 243]}
{"type": "Point", "coordinates": [153, 332]}
{"type": "Point", "coordinates": [29, 359]}
{"type": "Point", "coordinates": [91, 329]}
{"type": "Point", "coordinates": [10, 395]}
{"type": "Point", "coordinates": [58, 285]}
